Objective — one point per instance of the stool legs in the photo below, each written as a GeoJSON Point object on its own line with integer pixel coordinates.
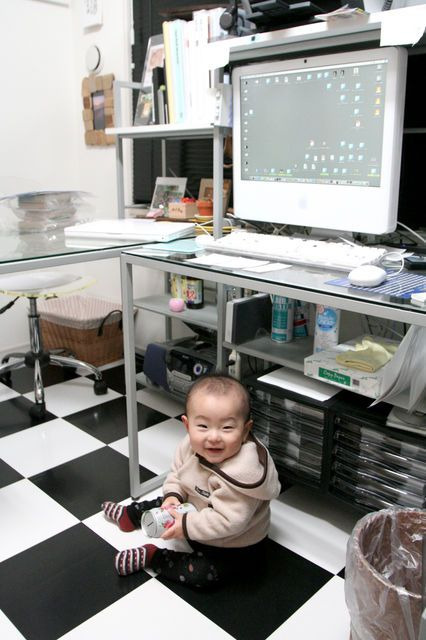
{"type": "Point", "coordinates": [100, 386]}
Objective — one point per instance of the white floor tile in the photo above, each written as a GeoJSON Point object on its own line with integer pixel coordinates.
{"type": "Point", "coordinates": [6, 393]}
{"type": "Point", "coordinates": [323, 617]}
{"type": "Point", "coordinates": [160, 401]}
{"type": "Point", "coordinates": [157, 444]}
{"type": "Point", "coordinates": [32, 516]}
{"type": "Point", "coordinates": [150, 611]}
{"type": "Point", "coordinates": [313, 526]}
{"type": "Point", "coordinates": [45, 446]}
{"type": "Point", "coordinates": [8, 631]}
{"type": "Point", "coordinates": [73, 395]}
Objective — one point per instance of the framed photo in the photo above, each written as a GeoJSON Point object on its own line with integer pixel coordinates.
{"type": "Point", "coordinates": [154, 58]}
{"type": "Point", "coordinates": [98, 109]}
{"type": "Point", "coordinates": [167, 190]}
{"type": "Point", "coordinates": [143, 113]}
{"type": "Point", "coordinates": [206, 191]}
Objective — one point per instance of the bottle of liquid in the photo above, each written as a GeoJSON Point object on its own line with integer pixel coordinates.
{"type": "Point", "coordinates": [300, 323]}
{"type": "Point", "coordinates": [327, 321]}
{"type": "Point", "coordinates": [194, 298]}
{"type": "Point", "coordinates": [282, 319]}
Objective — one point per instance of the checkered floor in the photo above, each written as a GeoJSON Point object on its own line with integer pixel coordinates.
{"type": "Point", "coordinates": [57, 578]}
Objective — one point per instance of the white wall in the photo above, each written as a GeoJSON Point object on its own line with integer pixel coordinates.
{"type": "Point", "coordinates": [42, 53]}
{"type": "Point", "coordinates": [37, 113]}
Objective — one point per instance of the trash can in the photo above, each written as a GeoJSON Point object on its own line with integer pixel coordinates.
{"type": "Point", "coordinates": [91, 328]}
{"type": "Point", "coordinates": [383, 578]}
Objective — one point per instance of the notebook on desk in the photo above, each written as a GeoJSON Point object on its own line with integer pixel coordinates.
{"type": "Point", "coordinates": [136, 229]}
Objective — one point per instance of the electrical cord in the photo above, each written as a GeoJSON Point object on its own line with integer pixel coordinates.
{"type": "Point", "coordinates": [417, 235]}
{"type": "Point", "coordinates": [8, 305]}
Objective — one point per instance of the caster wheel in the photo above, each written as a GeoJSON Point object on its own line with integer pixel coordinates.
{"type": "Point", "coordinates": [100, 387]}
{"type": "Point", "coordinates": [6, 378]}
{"type": "Point", "coordinates": [38, 411]}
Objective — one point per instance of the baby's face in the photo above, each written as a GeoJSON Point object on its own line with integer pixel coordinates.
{"type": "Point", "coordinates": [216, 425]}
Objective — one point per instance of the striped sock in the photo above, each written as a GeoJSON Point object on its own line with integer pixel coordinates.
{"type": "Point", "coordinates": [118, 513]}
{"type": "Point", "coordinates": [132, 560]}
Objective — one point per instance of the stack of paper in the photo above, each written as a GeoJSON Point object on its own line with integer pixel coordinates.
{"type": "Point", "coordinates": [407, 370]}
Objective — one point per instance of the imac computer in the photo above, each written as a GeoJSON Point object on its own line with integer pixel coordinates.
{"type": "Point", "coordinates": [317, 140]}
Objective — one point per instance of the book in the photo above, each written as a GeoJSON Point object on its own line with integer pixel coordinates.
{"type": "Point", "coordinates": [177, 63]}
{"type": "Point", "coordinates": [169, 72]}
{"type": "Point", "coordinates": [248, 317]}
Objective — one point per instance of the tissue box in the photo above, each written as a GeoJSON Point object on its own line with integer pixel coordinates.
{"type": "Point", "coordinates": [323, 366]}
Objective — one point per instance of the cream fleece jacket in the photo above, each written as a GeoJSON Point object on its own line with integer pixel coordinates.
{"type": "Point", "coordinates": [232, 498]}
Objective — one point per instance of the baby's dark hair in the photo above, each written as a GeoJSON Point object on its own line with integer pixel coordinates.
{"type": "Point", "coordinates": [220, 384]}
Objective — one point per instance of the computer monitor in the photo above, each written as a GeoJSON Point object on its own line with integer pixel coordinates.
{"type": "Point", "coordinates": [317, 140]}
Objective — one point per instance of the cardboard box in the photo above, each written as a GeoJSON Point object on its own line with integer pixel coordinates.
{"type": "Point", "coordinates": [182, 210]}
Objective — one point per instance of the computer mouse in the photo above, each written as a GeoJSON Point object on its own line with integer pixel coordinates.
{"type": "Point", "coordinates": [368, 275]}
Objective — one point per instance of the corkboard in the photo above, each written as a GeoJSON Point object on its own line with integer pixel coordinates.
{"type": "Point", "coordinates": [98, 109]}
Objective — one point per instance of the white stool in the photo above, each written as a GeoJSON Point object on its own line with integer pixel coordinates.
{"type": "Point", "coordinates": [33, 285]}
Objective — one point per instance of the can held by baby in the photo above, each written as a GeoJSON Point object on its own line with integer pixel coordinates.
{"type": "Point", "coordinates": [155, 521]}
{"type": "Point", "coordinates": [282, 319]}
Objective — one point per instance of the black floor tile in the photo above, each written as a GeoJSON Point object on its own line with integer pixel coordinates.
{"type": "Point", "coordinates": [22, 380]}
{"type": "Point", "coordinates": [8, 475]}
{"type": "Point", "coordinates": [251, 609]}
{"type": "Point", "coordinates": [14, 416]}
{"type": "Point", "coordinates": [107, 421]}
{"type": "Point", "coordinates": [81, 485]}
{"type": "Point", "coordinates": [56, 585]}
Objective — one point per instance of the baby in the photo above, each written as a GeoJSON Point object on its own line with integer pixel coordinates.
{"type": "Point", "coordinates": [227, 475]}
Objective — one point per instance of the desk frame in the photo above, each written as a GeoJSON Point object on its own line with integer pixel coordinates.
{"type": "Point", "coordinates": [128, 261]}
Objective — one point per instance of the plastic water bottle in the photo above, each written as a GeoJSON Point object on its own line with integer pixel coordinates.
{"type": "Point", "coordinates": [327, 321]}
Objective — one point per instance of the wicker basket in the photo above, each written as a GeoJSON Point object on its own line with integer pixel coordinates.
{"type": "Point", "coordinates": [91, 328]}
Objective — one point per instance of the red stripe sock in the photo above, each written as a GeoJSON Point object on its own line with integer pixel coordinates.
{"type": "Point", "coordinates": [118, 513]}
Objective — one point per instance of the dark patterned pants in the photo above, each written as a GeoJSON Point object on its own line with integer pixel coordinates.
{"type": "Point", "coordinates": [205, 566]}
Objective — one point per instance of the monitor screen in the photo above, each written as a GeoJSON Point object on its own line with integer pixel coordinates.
{"type": "Point", "coordinates": [317, 140]}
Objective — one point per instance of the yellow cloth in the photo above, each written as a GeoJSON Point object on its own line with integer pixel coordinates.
{"type": "Point", "coordinates": [369, 355]}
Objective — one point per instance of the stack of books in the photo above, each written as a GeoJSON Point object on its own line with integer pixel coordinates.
{"type": "Point", "coordinates": [188, 96]}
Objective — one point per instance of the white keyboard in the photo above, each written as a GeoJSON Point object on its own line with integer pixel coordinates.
{"type": "Point", "coordinates": [316, 253]}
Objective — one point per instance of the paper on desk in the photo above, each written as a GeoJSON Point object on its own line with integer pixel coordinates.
{"type": "Point", "coordinates": [403, 26]}
{"type": "Point", "coordinates": [299, 383]}
{"type": "Point", "coordinates": [227, 262]}
{"type": "Point", "coordinates": [270, 266]}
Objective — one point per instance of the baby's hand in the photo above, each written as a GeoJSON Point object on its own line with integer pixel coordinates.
{"type": "Point", "coordinates": [170, 502]}
{"type": "Point", "coordinates": [175, 530]}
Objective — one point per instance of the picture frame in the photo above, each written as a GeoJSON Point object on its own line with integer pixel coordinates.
{"type": "Point", "coordinates": [144, 113]}
{"type": "Point", "coordinates": [98, 109]}
{"type": "Point", "coordinates": [144, 107]}
{"type": "Point", "coordinates": [206, 191]}
{"type": "Point", "coordinates": [154, 58]}
{"type": "Point", "coordinates": [167, 190]}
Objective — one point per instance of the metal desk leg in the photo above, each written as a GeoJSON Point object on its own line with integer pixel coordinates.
{"type": "Point", "coordinates": [136, 487]}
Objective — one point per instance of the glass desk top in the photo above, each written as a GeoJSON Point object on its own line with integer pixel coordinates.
{"type": "Point", "coordinates": [302, 282]}
{"type": "Point", "coordinates": [23, 251]}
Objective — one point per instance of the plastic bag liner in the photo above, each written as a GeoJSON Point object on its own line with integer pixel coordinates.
{"type": "Point", "coordinates": [383, 577]}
